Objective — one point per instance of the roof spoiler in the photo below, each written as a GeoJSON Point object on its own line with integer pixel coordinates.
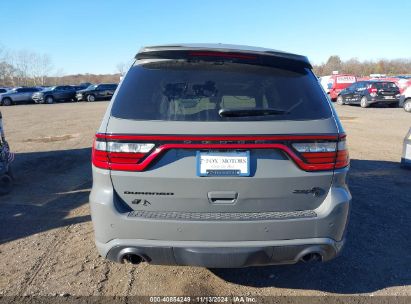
{"type": "Point", "coordinates": [264, 57]}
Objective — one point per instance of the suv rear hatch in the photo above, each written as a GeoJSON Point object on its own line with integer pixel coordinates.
{"type": "Point", "coordinates": [219, 135]}
{"type": "Point", "coordinates": [386, 90]}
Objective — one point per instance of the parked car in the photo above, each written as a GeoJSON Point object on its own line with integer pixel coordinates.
{"type": "Point", "coordinates": [54, 94]}
{"type": "Point", "coordinates": [233, 164]}
{"type": "Point", "coordinates": [403, 83]}
{"type": "Point", "coordinates": [18, 96]}
{"type": "Point", "coordinates": [96, 92]}
{"type": "Point", "coordinates": [366, 93]}
{"type": "Point", "coordinates": [405, 100]}
{"type": "Point", "coordinates": [339, 82]}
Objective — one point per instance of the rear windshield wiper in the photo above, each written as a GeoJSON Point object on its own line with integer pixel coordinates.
{"type": "Point", "coordinates": [250, 112]}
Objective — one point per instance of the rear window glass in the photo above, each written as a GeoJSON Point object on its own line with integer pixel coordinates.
{"type": "Point", "coordinates": [184, 91]}
{"type": "Point", "coordinates": [385, 85]}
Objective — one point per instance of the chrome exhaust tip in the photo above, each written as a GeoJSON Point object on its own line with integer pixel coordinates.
{"type": "Point", "coordinates": [132, 258]}
{"type": "Point", "coordinates": [312, 257]}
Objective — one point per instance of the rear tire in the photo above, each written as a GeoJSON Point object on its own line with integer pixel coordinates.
{"type": "Point", "coordinates": [340, 101]}
{"type": "Point", "coordinates": [49, 99]}
{"type": "Point", "coordinates": [364, 102]}
{"type": "Point", "coordinates": [91, 98]}
{"type": "Point", "coordinates": [7, 102]}
{"type": "Point", "coordinates": [407, 105]}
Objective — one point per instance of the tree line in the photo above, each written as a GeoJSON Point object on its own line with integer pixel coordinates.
{"type": "Point", "coordinates": [28, 68]}
{"type": "Point", "coordinates": [23, 67]}
{"type": "Point", "coordinates": [363, 68]}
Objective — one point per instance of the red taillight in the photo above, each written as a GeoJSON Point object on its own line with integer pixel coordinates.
{"type": "Point", "coordinates": [320, 157]}
{"type": "Point", "coordinates": [117, 155]}
{"type": "Point", "coordinates": [372, 90]}
{"type": "Point", "coordinates": [343, 158]}
{"type": "Point", "coordinates": [324, 154]}
{"type": "Point", "coordinates": [137, 152]}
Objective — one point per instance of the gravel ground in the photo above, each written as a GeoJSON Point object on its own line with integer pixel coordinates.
{"type": "Point", "coordinates": [46, 235]}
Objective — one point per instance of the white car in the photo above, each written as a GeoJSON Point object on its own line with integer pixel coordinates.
{"type": "Point", "coordinates": [405, 100]}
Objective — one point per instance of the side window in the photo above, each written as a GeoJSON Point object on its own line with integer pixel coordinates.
{"type": "Point", "coordinates": [21, 90]}
{"type": "Point", "coordinates": [361, 86]}
{"type": "Point", "coordinates": [27, 90]}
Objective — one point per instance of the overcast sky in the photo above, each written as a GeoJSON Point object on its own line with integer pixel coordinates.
{"type": "Point", "coordinates": [94, 36]}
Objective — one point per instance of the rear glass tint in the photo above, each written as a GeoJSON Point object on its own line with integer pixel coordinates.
{"type": "Point", "coordinates": [385, 85]}
{"type": "Point", "coordinates": [184, 91]}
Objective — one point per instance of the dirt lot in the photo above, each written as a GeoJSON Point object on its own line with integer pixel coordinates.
{"type": "Point", "coordinates": [46, 235]}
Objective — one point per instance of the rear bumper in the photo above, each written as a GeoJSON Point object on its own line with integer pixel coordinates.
{"type": "Point", "coordinates": [383, 101]}
{"type": "Point", "coordinates": [224, 242]}
{"type": "Point", "coordinates": [217, 255]}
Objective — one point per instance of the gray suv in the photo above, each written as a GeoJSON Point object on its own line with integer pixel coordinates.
{"type": "Point", "coordinates": [18, 96]}
{"type": "Point", "coordinates": [219, 156]}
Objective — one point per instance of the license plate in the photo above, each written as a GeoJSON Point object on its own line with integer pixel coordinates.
{"type": "Point", "coordinates": [223, 163]}
{"type": "Point", "coordinates": [389, 97]}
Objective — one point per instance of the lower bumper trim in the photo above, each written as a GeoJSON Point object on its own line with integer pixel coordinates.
{"type": "Point", "coordinates": [222, 216]}
{"type": "Point", "coordinates": [227, 257]}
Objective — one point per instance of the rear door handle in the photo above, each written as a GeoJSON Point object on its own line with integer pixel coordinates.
{"type": "Point", "coordinates": [222, 197]}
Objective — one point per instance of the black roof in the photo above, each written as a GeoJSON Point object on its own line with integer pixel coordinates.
{"type": "Point", "coordinates": [172, 50]}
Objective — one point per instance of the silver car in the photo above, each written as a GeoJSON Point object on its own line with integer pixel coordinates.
{"type": "Point", "coordinates": [18, 96]}
{"type": "Point", "coordinates": [219, 156]}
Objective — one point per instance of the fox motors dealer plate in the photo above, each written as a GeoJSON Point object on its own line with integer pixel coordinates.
{"type": "Point", "coordinates": [223, 163]}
